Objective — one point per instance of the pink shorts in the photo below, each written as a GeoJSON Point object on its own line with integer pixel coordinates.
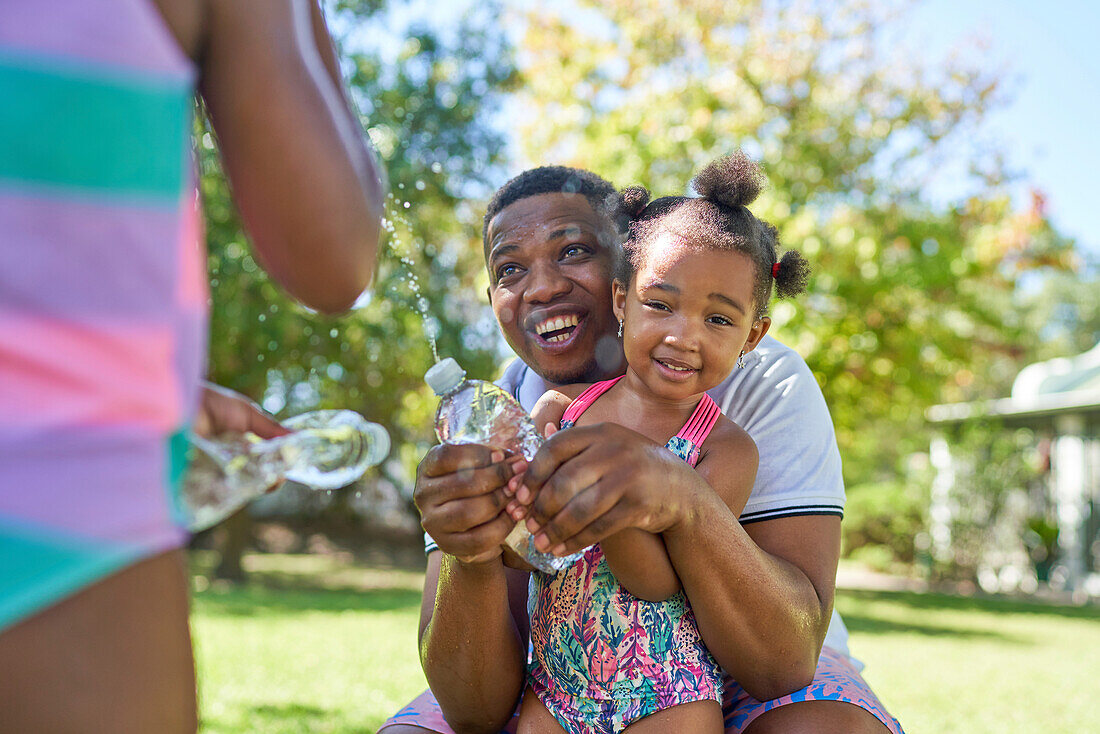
{"type": "Point", "coordinates": [836, 680]}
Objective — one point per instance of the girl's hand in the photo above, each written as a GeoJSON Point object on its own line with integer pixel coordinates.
{"type": "Point", "coordinates": [225, 411]}
{"type": "Point", "coordinates": [222, 410]}
{"type": "Point", "coordinates": [516, 509]}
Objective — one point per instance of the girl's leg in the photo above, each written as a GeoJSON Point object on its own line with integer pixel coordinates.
{"type": "Point", "coordinates": [535, 718]}
{"type": "Point", "coordinates": [114, 657]}
{"type": "Point", "coordinates": [704, 717]}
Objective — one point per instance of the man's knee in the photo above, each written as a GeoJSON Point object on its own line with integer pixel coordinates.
{"type": "Point", "coordinates": [817, 717]}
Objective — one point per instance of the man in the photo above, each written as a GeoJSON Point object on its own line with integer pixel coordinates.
{"type": "Point", "coordinates": [103, 309]}
{"type": "Point", "coordinates": [762, 588]}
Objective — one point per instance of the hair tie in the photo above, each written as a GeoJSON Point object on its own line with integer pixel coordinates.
{"type": "Point", "coordinates": [775, 271]}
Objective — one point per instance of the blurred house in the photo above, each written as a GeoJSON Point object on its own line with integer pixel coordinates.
{"type": "Point", "coordinates": [1059, 400]}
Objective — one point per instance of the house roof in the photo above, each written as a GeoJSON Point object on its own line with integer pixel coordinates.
{"type": "Point", "coordinates": [1063, 386]}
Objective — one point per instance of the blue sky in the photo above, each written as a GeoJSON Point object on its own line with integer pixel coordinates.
{"type": "Point", "coordinates": [1052, 123]}
{"type": "Point", "coordinates": [1051, 56]}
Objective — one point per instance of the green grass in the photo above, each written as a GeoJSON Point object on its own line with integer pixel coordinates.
{"type": "Point", "coordinates": [954, 664]}
{"type": "Point", "coordinates": [307, 646]}
{"type": "Point", "coordinates": [314, 644]}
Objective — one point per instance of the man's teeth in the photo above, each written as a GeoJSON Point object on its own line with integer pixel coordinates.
{"type": "Point", "coordinates": [556, 324]}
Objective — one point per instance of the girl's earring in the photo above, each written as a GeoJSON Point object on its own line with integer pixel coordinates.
{"type": "Point", "coordinates": [620, 328]}
{"type": "Point", "coordinates": [741, 361]}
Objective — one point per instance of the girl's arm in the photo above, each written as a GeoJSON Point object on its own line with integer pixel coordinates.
{"type": "Point", "coordinates": [641, 564]}
{"type": "Point", "coordinates": [639, 559]}
{"type": "Point", "coordinates": [550, 408]}
{"type": "Point", "coordinates": [729, 463]}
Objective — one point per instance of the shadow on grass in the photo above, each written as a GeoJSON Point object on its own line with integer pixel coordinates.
{"type": "Point", "coordinates": [267, 600]}
{"type": "Point", "coordinates": [993, 605]}
{"type": "Point", "coordinates": [860, 624]}
{"type": "Point", "coordinates": [284, 717]}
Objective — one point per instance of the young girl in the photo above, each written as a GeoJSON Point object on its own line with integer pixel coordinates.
{"type": "Point", "coordinates": [615, 643]}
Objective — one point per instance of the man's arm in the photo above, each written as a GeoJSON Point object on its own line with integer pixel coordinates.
{"type": "Point", "coordinates": [762, 594]}
{"type": "Point", "coordinates": [763, 609]}
{"type": "Point", "coordinates": [473, 616]}
{"type": "Point", "coordinates": [473, 640]}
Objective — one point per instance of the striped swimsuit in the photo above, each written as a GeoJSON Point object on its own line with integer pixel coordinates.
{"type": "Point", "coordinates": [103, 300]}
{"type": "Point", "coordinates": [603, 658]}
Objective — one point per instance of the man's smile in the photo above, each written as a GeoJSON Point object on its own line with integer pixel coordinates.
{"type": "Point", "coordinates": [556, 329]}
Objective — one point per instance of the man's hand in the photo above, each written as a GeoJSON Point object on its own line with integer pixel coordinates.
{"type": "Point", "coordinates": [461, 492]}
{"type": "Point", "coordinates": [223, 411]}
{"type": "Point", "coordinates": [591, 481]}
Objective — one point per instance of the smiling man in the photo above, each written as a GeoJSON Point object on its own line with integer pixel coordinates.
{"type": "Point", "coordinates": [761, 585]}
{"type": "Point", "coordinates": [550, 257]}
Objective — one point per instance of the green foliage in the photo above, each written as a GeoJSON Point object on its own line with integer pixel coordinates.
{"type": "Point", "coordinates": [425, 109]}
{"type": "Point", "coordinates": [996, 473]}
{"type": "Point", "coordinates": [887, 516]}
{"type": "Point", "coordinates": [1064, 311]}
{"type": "Point", "coordinates": [911, 304]}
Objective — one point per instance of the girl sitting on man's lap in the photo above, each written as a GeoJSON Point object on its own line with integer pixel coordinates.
{"type": "Point", "coordinates": [614, 638]}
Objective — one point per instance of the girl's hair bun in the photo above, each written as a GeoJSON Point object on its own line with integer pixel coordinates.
{"type": "Point", "coordinates": [733, 180]}
{"type": "Point", "coordinates": [633, 200]}
{"type": "Point", "coordinates": [792, 274]}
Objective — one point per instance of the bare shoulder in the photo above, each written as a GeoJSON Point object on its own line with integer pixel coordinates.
{"type": "Point", "coordinates": [727, 438]}
{"type": "Point", "coordinates": [570, 392]}
{"type": "Point", "coordinates": [563, 395]}
{"type": "Point", "coordinates": [729, 462]}
{"type": "Point", "coordinates": [553, 403]}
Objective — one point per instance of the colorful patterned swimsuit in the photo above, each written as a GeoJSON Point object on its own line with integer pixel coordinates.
{"type": "Point", "coordinates": [601, 657]}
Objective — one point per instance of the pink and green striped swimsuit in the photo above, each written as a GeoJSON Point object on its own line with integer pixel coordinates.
{"type": "Point", "coordinates": [602, 658]}
{"type": "Point", "coordinates": [102, 293]}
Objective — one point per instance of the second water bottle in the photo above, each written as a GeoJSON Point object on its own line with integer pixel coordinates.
{"type": "Point", "coordinates": [475, 411]}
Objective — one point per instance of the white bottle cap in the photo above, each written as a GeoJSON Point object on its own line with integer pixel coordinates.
{"type": "Point", "coordinates": [444, 376]}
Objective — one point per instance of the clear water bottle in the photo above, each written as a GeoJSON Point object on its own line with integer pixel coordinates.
{"type": "Point", "coordinates": [326, 449]}
{"type": "Point", "coordinates": [475, 411]}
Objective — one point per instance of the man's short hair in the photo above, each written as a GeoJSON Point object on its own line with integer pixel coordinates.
{"type": "Point", "coordinates": [601, 195]}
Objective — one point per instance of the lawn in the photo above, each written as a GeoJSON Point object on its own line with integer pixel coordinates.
{"type": "Point", "coordinates": [316, 644]}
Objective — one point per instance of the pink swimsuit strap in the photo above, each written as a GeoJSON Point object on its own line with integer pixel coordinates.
{"type": "Point", "coordinates": [694, 431]}
{"type": "Point", "coordinates": [583, 401]}
{"type": "Point", "coordinates": [701, 421]}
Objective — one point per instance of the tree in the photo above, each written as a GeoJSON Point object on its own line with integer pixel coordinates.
{"type": "Point", "coordinates": [911, 303]}
{"type": "Point", "coordinates": [425, 107]}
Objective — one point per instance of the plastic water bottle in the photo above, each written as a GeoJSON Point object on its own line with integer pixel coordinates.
{"type": "Point", "coordinates": [475, 411]}
{"type": "Point", "coordinates": [326, 449]}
